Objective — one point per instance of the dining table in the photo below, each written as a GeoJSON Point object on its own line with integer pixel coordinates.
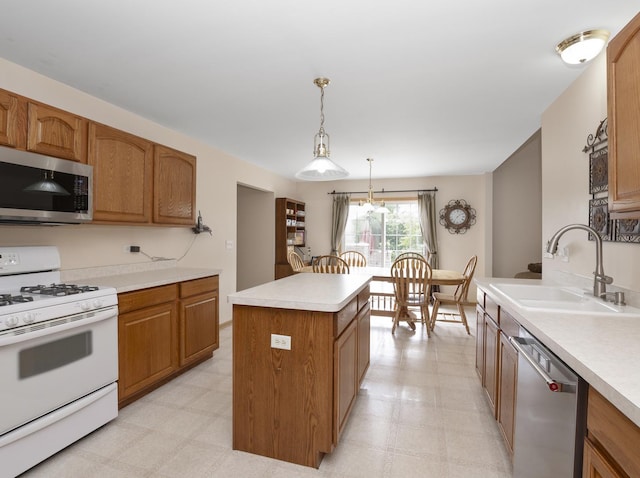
{"type": "Point", "coordinates": [382, 295]}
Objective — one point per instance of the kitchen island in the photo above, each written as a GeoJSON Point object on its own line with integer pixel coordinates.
{"type": "Point", "coordinates": [300, 352]}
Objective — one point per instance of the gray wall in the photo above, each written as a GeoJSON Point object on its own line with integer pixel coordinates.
{"type": "Point", "coordinates": [517, 210]}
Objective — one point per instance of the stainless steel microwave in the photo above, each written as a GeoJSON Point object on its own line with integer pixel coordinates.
{"type": "Point", "coordinates": [38, 189]}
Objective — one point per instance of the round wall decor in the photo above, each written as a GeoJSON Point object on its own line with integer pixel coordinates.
{"type": "Point", "coordinates": [457, 216]}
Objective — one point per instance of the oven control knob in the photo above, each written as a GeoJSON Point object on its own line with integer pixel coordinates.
{"type": "Point", "coordinates": [85, 306]}
{"type": "Point", "coordinates": [11, 321]}
{"type": "Point", "coordinates": [28, 318]}
{"type": "Point", "coordinates": [97, 303]}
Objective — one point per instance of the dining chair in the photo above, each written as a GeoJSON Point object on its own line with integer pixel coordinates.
{"type": "Point", "coordinates": [411, 286]}
{"type": "Point", "coordinates": [295, 261]}
{"type": "Point", "coordinates": [457, 299]}
{"type": "Point", "coordinates": [410, 254]}
{"type": "Point", "coordinates": [354, 258]}
{"type": "Point", "coordinates": [330, 265]}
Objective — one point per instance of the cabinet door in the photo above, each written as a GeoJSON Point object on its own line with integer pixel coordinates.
{"type": "Point", "coordinates": [595, 465]}
{"type": "Point", "coordinates": [480, 343]}
{"type": "Point", "coordinates": [147, 347]}
{"type": "Point", "coordinates": [345, 377]}
{"type": "Point", "coordinates": [507, 385]}
{"type": "Point", "coordinates": [198, 327]}
{"type": "Point", "coordinates": [174, 187]}
{"type": "Point", "coordinates": [491, 360]}
{"type": "Point", "coordinates": [13, 126]}
{"type": "Point", "coordinates": [623, 87]}
{"type": "Point", "coordinates": [122, 175]}
{"type": "Point", "coordinates": [57, 133]}
{"type": "Point", "coordinates": [364, 341]}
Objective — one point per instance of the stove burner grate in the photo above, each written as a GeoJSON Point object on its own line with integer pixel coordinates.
{"type": "Point", "coordinates": [58, 289]}
{"type": "Point", "coordinates": [8, 299]}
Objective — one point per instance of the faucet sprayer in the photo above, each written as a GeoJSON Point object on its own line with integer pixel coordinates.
{"type": "Point", "coordinates": [600, 279]}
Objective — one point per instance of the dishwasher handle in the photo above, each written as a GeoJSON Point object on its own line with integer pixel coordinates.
{"type": "Point", "coordinates": [554, 385]}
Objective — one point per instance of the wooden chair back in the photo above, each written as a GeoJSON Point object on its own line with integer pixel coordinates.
{"type": "Point", "coordinates": [354, 258]}
{"type": "Point", "coordinates": [410, 254]}
{"type": "Point", "coordinates": [330, 265]}
{"type": "Point", "coordinates": [295, 261]}
{"type": "Point", "coordinates": [462, 291]}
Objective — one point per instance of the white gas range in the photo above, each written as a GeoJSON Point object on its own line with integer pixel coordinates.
{"type": "Point", "coordinates": [59, 356]}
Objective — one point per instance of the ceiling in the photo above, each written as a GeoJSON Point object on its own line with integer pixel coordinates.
{"type": "Point", "coordinates": [424, 88]}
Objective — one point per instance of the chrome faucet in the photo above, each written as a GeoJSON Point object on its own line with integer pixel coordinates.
{"type": "Point", "coordinates": [600, 280]}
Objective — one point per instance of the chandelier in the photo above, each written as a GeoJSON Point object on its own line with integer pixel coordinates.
{"type": "Point", "coordinates": [321, 168]}
{"type": "Point", "coordinates": [369, 205]}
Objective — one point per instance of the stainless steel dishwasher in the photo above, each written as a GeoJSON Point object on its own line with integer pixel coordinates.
{"type": "Point", "coordinates": [550, 413]}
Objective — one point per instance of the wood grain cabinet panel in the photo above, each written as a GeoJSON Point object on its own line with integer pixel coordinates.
{"type": "Point", "coordinates": [174, 187]}
{"type": "Point", "coordinates": [508, 380]}
{"type": "Point", "coordinates": [199, 323]}
{"type": "Point", "coordinates": [364, 341]}
{"type": "Point", "coordinates": [122, 175]}
{"type": "Point", "coordinates": [13, 120]}
{"type": "Point", "coordinates": [147, 347]}
{"type": "Point", "coordinates": [345, 377]}
{"type": "Point", "coordinates": [623, 104]}
{"type": "Point", "coordinates": [596, 465]}
{"type": "Point", "coordinates": [57, 133]}
{"type": "Point", "coordinates": [491, 338]}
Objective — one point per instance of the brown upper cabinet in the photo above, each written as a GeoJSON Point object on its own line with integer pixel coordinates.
{"type": "Point", "coordinates": [122, 175]}
{"type": "Point", "coordinates": [623, 81]}
{"type": "Point", "coordinates": [174, 186]}
{"type": "Point", "coordinates": [56, 133]}
{"type": "Point", "coordinates": [13, 120]}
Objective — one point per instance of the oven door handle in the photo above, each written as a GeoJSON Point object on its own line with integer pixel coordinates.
{"type": "Point", "coordinates": [51, 327]}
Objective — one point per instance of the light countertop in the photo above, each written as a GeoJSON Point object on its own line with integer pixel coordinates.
{"type": "Point", "coordinates": [604, 350]}
{"type": "Point", "coordinates": [318, 292]}
{"type": "Point", "coordinates": [126, 280]}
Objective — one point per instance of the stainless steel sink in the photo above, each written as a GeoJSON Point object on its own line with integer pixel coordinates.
{"type": "Point", "coordinates": [559, 299]}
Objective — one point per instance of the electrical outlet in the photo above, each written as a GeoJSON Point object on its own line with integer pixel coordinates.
{"type": "Point", "coordinates": [133, 249]}
{"type": "Point", "coordinates": [281, 342]}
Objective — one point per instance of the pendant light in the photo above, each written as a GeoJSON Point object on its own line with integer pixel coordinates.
{"type": "Point", "coordinates": [321, 168]}
{"type": "Point", "coordinates": [582, 47]}
{"type": "Point", "coordinates": [369, 205]}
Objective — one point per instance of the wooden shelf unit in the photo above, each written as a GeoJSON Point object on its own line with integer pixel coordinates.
{"type": "Point", "coordinates": [290, 232]}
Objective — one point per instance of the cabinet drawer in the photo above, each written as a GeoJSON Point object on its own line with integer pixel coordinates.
{"type": "Point", "coordinates": [147, 297]}
{"type": "Point", "coordinates": [345, 316]}
{"type": "Point", "coordinates": [508, 324]}
{"type": "Point", "coordinates": [491, 308]}
{"type": "Point", "coordinates": [198, 286]}
{"type": "Point", "coordinates": [363, 298]}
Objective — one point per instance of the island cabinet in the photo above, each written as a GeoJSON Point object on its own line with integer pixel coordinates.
{"type": "Point", "coordinates": [623, 98]}
{"type": "Point", "coordinates": [296, 376]}
{"type": "Point", "coordinates": [162, 332]}
{"type": "Point", "coordinates": [497, 362]}
{"type": "Point", "coordinates": [612, 442]}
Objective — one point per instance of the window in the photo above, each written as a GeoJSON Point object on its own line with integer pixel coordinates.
{"type": "Point", "coordinates": [381, 237]}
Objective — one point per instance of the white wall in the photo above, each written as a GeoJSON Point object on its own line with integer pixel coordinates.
{"type": "Point", "coordinates": [565, 181]}
{"type": "Point", "coordinates": [217, 177]}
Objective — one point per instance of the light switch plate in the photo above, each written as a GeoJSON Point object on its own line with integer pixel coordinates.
{"type": "Point", "coordinates": [281, 342]}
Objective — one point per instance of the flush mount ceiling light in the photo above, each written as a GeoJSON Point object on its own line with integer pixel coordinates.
{"type": "Point", "coordinates": [369, 205]}
{"type": "Point", "coordinates": [582, 47]}
{"type": "Point", "coordinates": [321, 168]}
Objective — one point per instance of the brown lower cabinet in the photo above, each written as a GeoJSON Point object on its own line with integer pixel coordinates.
{"type": "Point", "coordinates": [292, 405]}
{"type": "Point", "coordinates": [611, 448]}
{"type": "Point", "coordinates": [163, 331]}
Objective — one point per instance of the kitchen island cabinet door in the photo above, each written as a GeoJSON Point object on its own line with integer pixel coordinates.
{"type": "Point", "coordinates": [56, 133]}
{"type": "Point", "coordinates": [174, 187]}
{"type": "Point", "coordinates": [147, 347]}
{"type": "Point", "coordinates": [480, 349]}
{"type": "Point", "coordinates": [13, 120]}
{"type": "Point", "coordinates": [364, 341]}
{"type": "Point", "coordinates": [345, 377]}
{"type": "Point", "coordinates": [596, 465]}
{"type": "Point", "coordinates": [492, 340]}
{"type": "Point", "coordinates": [508, 367]}
{"type": "Point", "coordinates": [122, 175]}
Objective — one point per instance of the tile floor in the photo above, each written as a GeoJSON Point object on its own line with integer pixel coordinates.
{"type": "Point", "coordinates": [421, 412]}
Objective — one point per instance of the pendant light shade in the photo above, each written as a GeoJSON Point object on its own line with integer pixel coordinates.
{"type": "Point", "coordinates": [321, 168]}
{"type": "Point", "coordinates": [582, 47]}
{"type": "Point", "coordinates": [47, 186]}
